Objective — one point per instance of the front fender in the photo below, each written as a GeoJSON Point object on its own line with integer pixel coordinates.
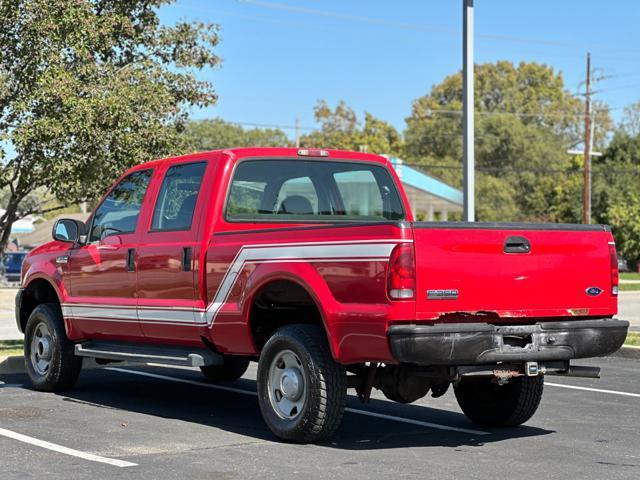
{"type": "Point", "coordinates": [50, 274]}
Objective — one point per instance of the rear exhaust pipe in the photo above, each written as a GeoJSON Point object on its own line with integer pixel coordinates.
{"type": "Point", "coordinates": [577, 371]}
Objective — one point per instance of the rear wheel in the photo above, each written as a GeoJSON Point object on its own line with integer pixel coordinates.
{"type": "Point", "coordinates": [232, 369]}
{"type": "Point", "coordinates": [49, 355]}
{"type": "Point", "coordinates": [486, 403]}
{"type": "Point", "coordinates": [301, 389]}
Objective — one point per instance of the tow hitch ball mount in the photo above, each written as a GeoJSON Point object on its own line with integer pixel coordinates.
{"type": "Point", "coordinates": [503, 372]}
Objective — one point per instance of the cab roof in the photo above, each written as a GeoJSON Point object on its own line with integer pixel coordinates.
{"type": "Point", "coordinates": [238, 153]}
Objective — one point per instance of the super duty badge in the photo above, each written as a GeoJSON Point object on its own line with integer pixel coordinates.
{"type": "Point", "coordinates": [442, 294]}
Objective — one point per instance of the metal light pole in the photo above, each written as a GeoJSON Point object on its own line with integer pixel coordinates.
{"type": "Point", "coordinates": [586, 214]}
{"type": "Point", "coordinates": [467, 112]}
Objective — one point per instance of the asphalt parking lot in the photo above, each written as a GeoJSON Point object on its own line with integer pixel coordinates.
{"type": "Point", "coordinates": [153, 422]}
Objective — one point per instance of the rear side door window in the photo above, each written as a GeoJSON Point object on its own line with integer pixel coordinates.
{"type": "Point", "coordinates": [177, 198]}
{"type": "Point", "coordinates": [118, 213]}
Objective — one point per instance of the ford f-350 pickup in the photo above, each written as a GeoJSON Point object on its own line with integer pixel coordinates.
{"type": "Point", "coordinates": [310, 262]}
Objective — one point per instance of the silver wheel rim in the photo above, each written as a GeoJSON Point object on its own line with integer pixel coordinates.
{"type": "Point", "coordinates": [287, 385]}
{"type": "Point", "coordinates": [41, 349]}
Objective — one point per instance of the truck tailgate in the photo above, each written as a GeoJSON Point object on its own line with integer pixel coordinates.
{"type": "Point", "coordinates": [508, 271]}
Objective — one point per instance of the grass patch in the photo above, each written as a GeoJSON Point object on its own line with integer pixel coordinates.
{"type": "Point", "coordinates": [630, 276]}
{"type": "Point", "coordinates": [10, 348]}
{"type": "Point", "coordinates": [11, 352]}
{"type": "Point", "coordinates": [633, 339]}
{"type": "Point", "coordinates": [629, 287]}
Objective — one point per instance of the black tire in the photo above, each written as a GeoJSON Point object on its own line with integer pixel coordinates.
{"type": "Point", "coordinates": [63, 367]}
{"type": "Point", "coordinates": [325, 388]}
{"type": "Point", "coordinates": [232, 369]}
{"type": "Point", "coordinates": [487, 403]}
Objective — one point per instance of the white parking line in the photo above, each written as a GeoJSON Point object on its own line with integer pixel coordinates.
{"type": "Point", "coordinates": [64, 450]}
{"type": "Point", "coordinates": [415, 422]}
{"type": "Point", "coordinates": [351, 410]}
{"type": "Point", "coordinates": [599, 390]}
{"type": "Point", "coordinates": [181, 380]}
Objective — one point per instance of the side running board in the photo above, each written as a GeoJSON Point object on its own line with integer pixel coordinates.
{"type": "Point", "coordinates": [139, 352]}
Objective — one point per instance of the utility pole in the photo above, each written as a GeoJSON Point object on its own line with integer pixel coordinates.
{"type": "Point", "coordinates": [468, 111]}
{"type": "Point", "coordinates": [586, 196]}
{"type": "Point", "coordinates": [297, 132]}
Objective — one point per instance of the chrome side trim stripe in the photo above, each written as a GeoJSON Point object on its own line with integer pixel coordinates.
{"type": "Point", "coordinates": [347, 251]}
{"type": "Point", "coordinates": [286, 252]}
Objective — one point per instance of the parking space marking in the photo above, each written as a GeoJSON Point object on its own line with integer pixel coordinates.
{"type": "Point", "coordinates": [64, 450]}
{"type": "Point", "coordinates": [181, 380]}
{"type": "Point", "coordinates": [598, 390]}
{"type": "Point", "coordinates": [255, 394]}
{"type": "Point", "coordinates": [415, 422]}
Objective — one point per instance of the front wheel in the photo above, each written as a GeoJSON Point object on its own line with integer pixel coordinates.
{"type": "Point", "coordinates": [49, 355]}
{"type": "Point", "coordinates": [486, 403]}
{"type": "Point", "coordinates": [301, 389]}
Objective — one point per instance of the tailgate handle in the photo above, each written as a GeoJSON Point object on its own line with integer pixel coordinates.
{"type": "Point", "coordinates": [517, 244]}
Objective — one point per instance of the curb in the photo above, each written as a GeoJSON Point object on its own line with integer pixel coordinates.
{"type": "Point", "coordinates": [627, 351]}
{"type": "Point", "coordinates": [10, 365]}
{"type": "Point", "coordinates": [15, 365]}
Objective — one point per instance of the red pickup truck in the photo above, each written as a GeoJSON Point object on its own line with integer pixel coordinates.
{"type": "Point", "coordinates": [311, 263]}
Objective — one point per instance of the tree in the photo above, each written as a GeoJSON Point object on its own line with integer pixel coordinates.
{"type": "Point", "coordinates": [616, 197]}
{"type": "Point", "coordinates": [204, 135]}
{"type": "Point", "coordinates": [89, 88]}
{"type": "Point", "coordinates": [525, 121]}
{"type": "Point", "coordinates": [630, 123]}
{"type": "Point", "coordinates": [339, 128]}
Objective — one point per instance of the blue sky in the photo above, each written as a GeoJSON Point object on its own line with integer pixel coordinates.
{"type": "Point", "coordinates": [281, 56]}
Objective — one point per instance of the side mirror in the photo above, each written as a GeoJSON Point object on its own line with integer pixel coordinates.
{"type": "Point", "coordinates": [68, 230]}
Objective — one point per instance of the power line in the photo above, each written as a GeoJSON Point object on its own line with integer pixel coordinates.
{"type": "Point", "coordinates": [515, 114]}
{"type": "Point", "coordinates": [417, 27]}
{"type": "Point", "coordinates": [554, 171]}
{"type": "Point", "coordinates": [621, 87]}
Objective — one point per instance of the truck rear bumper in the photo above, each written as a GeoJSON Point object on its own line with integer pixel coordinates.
{"type": "Point", "coordinates": [480, 343]}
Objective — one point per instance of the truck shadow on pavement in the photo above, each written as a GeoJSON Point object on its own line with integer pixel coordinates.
{"type": "Point", "coordinates": [239, 413]}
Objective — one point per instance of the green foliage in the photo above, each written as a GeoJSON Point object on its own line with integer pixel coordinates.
{"type": "Point", "coordinates": [616, 193]}
{"type": "Point", "coordinates": [624, 218]}
{"type": "Point", "coordinates": [89, 88]}
{"type": "Point", "coordinates": [631, 120]}
{"type": "Point", "coordinates": [339, 129]}
{"type": "Point", "coordinates": [525, 121]}
{"type": "Point", "coordinates": [205, 135]}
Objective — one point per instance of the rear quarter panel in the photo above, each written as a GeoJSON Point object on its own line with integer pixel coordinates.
{"type": "Point", "coordinates": [342, 268]}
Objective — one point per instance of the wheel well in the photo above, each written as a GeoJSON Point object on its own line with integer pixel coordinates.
{"type": "Point", "coordinates": [36, 293]}
{"type": "Point", "coordinates": [279, 303]}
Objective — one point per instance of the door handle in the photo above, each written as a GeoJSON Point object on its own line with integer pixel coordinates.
{"type": "Point", "coordinates": [186, 259]}
{"type": "Point", "coordinates": [131, 260]}
{"type": "Point", "coordinates": [517, 244]}
{"type": "Point", "coordinates": [107, 247]}
{"type": "Point", "coordinates": [62, 260]}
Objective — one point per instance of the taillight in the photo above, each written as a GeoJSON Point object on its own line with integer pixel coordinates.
{"type": "Point", "coordinates": [613, 265]}
{"type": "Point", "coordinates": [402, 273]}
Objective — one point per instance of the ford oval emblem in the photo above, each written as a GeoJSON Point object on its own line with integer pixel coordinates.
{"type": "Point", "coordinates": [594, 291]}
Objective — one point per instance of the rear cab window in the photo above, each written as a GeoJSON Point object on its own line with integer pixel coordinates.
{"type": "Point", "coordinates": [312, 190]}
